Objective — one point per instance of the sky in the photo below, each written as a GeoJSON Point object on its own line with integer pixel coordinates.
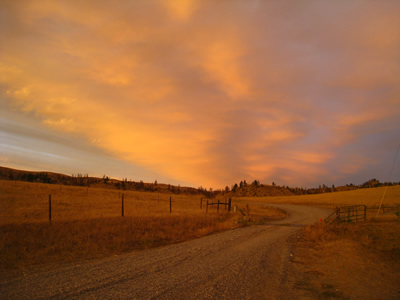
{"type": "Point", "coordinates": [202, 92]}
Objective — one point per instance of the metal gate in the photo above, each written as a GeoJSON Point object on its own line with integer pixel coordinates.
{"type": "Point", "coordinates": [348, 214]}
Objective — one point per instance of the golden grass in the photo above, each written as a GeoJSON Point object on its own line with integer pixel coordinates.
{"type": "Point", "coordinates": [87, 223]}
{"type": "Point", "coordinates": [349, 260]}
{"type": "Point", "coordinates": [370, 197]}
{"type": "Point", "coordinates": [24, 202]}
{"type": "Point", "coordinates": [26, 244]}
{"type": "Point", "coordinates": [376, 234]}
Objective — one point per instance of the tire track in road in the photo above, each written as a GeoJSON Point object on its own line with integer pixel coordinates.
{"type": "Point", "coordinates": [247, 263]}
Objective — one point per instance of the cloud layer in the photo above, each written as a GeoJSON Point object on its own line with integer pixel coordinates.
{"type": "Point", "coordinates": [209, 92]}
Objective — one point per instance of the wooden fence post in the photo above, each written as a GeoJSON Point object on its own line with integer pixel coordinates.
{"type": "Point", "coordinates": [122, 204]}
{"type": "Point", "coordinates": [218, 207]}
{"type": "Point", "coordinates": [225, 205]}
{"type": "Point", "coordinates": [207, 207]}
{"type": "Point", "coordinates": [365, 212]}
{"type": "Point", "coordinates": [50, 208]}
{"type": "Point", "coordinates": [201, 203]}
{"type": "Point", "coordinates": [230, 204]}
{"type": "Point", "coordinates": [170, 204]}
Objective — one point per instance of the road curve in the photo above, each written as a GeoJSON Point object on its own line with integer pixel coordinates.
{"type": "Point", "coordinates": [244, 263]}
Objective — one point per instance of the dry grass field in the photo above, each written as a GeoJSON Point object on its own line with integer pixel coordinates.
{"type": "Point", "coordinates": [25, 202]}
{"type": "Point", "coordinates": [87, 223]}
{"type": "Point", "coordinates": [370, 197]}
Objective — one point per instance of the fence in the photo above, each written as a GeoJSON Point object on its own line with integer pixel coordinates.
{"type": "Point", "coordinates": [122, 206]}
{"type": "Point", "coordinates": [348, 214]}
{"type": "Point", "coordinates": [359, 212]}
{"type": "Point", "coordinates": [227, 203]}
{"type": "Point", "coordinates": [385, 209]}
{"type": "Point", "coordinates": [352, 213]}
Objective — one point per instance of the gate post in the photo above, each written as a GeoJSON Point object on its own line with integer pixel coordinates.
{"type": "Point", "coordinates": [50, 208]}
{"type": "Point", "coordinates": [365, 212]}
{"type": "Point", "coordinates": [122, 204]}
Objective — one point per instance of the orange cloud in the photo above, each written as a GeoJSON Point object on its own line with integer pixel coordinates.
{"type": "Point", "coordinates": [310, 157]}
{"type": "Point", "coordinates": [221, 61]}
{"type": "Point", "coordinates": [180, 9]}
{"type": "Point", "coordinates": [208, 93]}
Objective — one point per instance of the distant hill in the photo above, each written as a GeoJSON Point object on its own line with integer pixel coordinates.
{"type": "Point", "coordinates": [31, 176]}
{"type": "Point", "coordinates": [244, 189]}
{"type": "Point", "coordinates": [95, 182]}
{"type": "Point", "coordinates": [261, 190]}
{"type": "Point", "coordinates": [256, 189]}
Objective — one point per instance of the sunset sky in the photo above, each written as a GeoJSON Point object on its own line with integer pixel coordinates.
{"type": "Point", "coordinates": [202, 93]}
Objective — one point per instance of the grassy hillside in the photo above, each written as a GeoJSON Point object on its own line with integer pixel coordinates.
{"type": "Point", "coordinates": [261, 190]}
{"type": "Point", "coordinates": [244, 189]}
{"type": "Point", "coordinates": [367, 196]}
{"type": "Point", "coordinates": [84, 180]}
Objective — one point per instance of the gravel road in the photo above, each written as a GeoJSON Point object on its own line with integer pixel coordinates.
{"type": "Point", "coordinates": [245, 263]}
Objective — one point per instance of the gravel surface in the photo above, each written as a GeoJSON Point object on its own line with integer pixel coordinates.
{"type": "Point", "coordinates": [245, 263]}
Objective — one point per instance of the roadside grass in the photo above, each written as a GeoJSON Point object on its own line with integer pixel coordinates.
{"type": "Point", "coordinates": [37, 243]}
{"type": "Point", "coordinates": [380, 235]}
{"type": "Point", "coordinates": [349, 260]}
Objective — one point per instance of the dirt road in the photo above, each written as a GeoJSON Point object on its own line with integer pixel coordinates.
{"type": "Point", "coordinates": [245, 263]}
